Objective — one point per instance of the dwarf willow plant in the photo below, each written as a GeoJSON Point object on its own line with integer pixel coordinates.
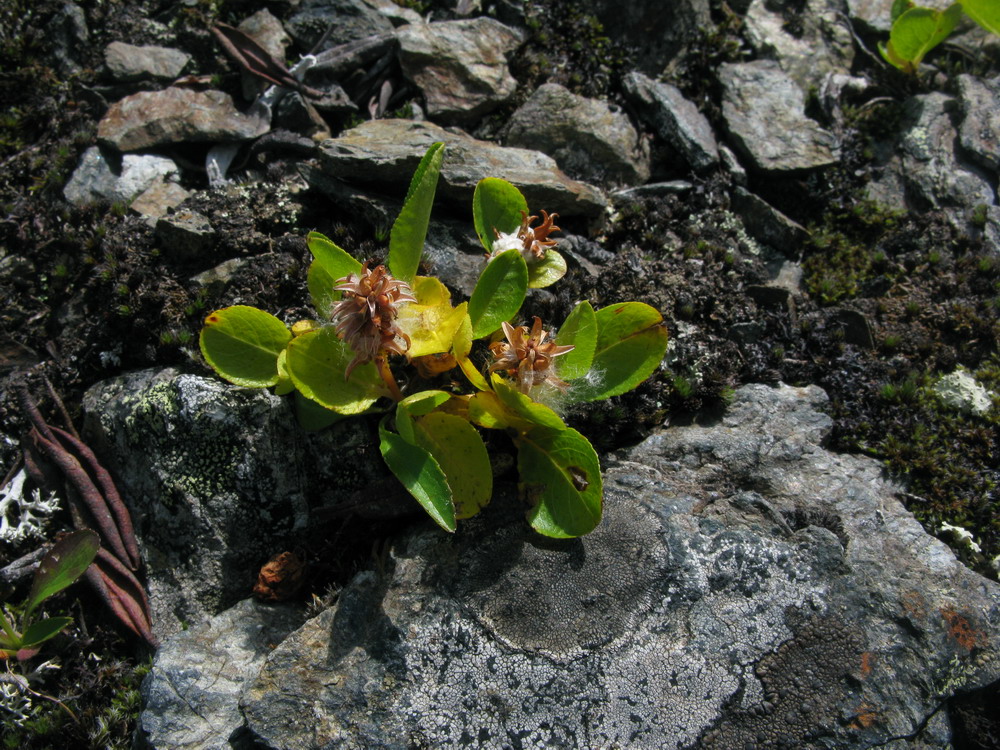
{"type": "Point", "coordinates": [380, 318]}
{"type": "Point", "coordinates": [917, 30]}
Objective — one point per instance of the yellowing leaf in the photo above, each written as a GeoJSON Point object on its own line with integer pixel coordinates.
{"type": "Point", "coordinates": [459, 451]}
{"type": "Point", "coordinates": [430, 322]}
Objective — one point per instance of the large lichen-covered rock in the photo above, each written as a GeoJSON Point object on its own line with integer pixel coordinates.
{"type": "Point", "coordinates": [218, 479]}
{"type": "Point", "coordinates": [747, 588]}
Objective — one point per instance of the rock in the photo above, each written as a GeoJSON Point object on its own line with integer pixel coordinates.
{"type": "Point", "coordinates": [588, 139]}
{"type": "Point", "coordinates": [768, 225]}
{"type": "Point", "coordinates": [128, 62]}
{"type": "Point", "coordinates": [655, 31]}
{"type": "Point", "coordinates": [158, 199]}
{"type": "Point", "coordinates": [69, 36]}
{"type": "Point", "coordinates": [732, 165]}
{"type": "Point", "coordinates": [185, 235]}
{"type": "Point", "coordinates": [857, 330]}
{"type": "Point", "coordinates": [268, 32]}
{"type": "Point", "coordinates": [871, 13]}
{"type": "Point", "coordinates": [764, 110]}
{"type": "Point", "coordinates": [240, 638]}
{"type": "Point", "coordinates": [384, 153]}
{"type": "Point", "coordinates": [962, 392]}
{"type": "Point", "coordinates": [460, 66]}
{"type": "Point", "coordinates": [397, 14]}
{"type": "Point", "coordinates": [811, 611]}
{"type": "Point", "coordinates": [217, 479]}
{"type": "Point", "coordinates": [345, 20]}
{"type": "Point", "coordinates": [675, 119]}
{"type": "Point", "coordinates": [175, 115]}
{"type": "Point", "coordinates": [336, 63]}
{"type": "Point", "coordinates": [922, 169]}
{"type": "Point", "coordinates": [979, 133]}
{"type": "Point", "coordinates": [809, 42]}
{"type": "Point", "coordinates": [93, 180]}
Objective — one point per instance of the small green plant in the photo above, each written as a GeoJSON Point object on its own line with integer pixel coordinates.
{"type": "Point", "coordinates": [917, 30]}
{"type": "Point", "coordinates": [430, 439]}
{"type": "Point", "coordinates": [61, 566]}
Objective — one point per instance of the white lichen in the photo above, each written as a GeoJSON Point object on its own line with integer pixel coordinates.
{"type": "Point", "coordinates": [24, 515]}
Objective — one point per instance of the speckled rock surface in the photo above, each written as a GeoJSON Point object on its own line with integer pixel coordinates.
{"type": "Point", "coordinates": [746, 588]}
{"type": "Point", "coordinates": [217, 478]}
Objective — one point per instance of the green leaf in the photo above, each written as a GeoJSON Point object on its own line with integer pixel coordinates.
{"type": "Point", "coordinates": [486, 410]}
{"type": "Point", "coordinates": [561, 478]}
{"type": "Point", "coordinates": [421, 476]}
{"type": "Point", "coordinates": [899, 7]}
{"type": "Point", "coordinates": [336, 262]}
{"type": "Point", "coordinates": [523, 412]}
{"type": "Point", "coordinates": [417, 405]}
{"type": "Point", "coordinates": [311, 416]}
{"type": "Point", "coordinates": [42, 630]}
{"type": "Point", "coordinates": [406, 242]}
{"type": "Point", "coordinates": [321, 291]}
{"type": "Point", "coordinates": [458, 449]}
{"type": "Point", "coordinates": [61, 566]}
{"type": "Point", "coordinates": [984, 12]}
{"type": "Point", "coordinates": [497, 206]}
{"type": "Point", "coordinates": [242, 344]}
{"type": "Point", "coordinates": [285, 384]}
{"type": "Point", "coordinates": [580, 331]}
{"type": "Point", "coordinates": [546, 271]}
{"type": "Point", "coordinates": [430, 322]}
{"type": "Point", "coordinates": [631, 342]}
{"type": "Point", "coordinates": [499, 293]}
{"type": "Point", "coordinates": [317, 362]}
{"type": "Point", "coordinates": [916, 32]}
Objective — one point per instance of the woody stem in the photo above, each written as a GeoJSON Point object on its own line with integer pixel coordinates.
{"type": "Point", "coordinates": [382, 363]}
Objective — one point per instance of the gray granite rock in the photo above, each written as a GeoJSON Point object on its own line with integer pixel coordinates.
{"type": "Point", "coordinates": [93, 180]}
{"type": "Point", "coordinates": [129, 62]}
{"type": "Point", "coordinates": [979, 133]}
{"type": "Point", "coordinates": [764, 110]}
{"type": "Point", "coordinates": [923, 170]}
{"type": "Point", "coordinates": [459, 66]}
{"type": "Point", "coordinates": [216, 478]}
{"type": "Point", "coordinates": [746, 588]}
{"type": "Point", "coordinates": [384, 153]}
{"type": "Point", "coordinates": [176, 115]}
{"type": "Point", "coordinates": [339, 21]}
{"type": "Point", "coordinates": [589, 139]}
{"type": "Point", "coordinates": [675, 119]}
{"type": "Point", "coordinates": [237, 640]}
{"type": "Point", "coordinates": [809, 41]}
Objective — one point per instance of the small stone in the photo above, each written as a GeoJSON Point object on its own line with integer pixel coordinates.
{"type": "Point", "coordinates": [176, 115]}
{"type": "Point", "coordinates": [185, 234]}
{"type": "Point", "coordinates": [764, 110]}
{"type": "Point", "coordinates": [128, 62]}
{"type": "Point", "coordinates": [268, 32]}
{"type": "Point", "coordinates": [675, 119]}
{"type": "Point", "coordinates": [963, 393]}
{"type": "Point", "coordinates": [338, 21]}
{"type": "Point", "coordinates": [158, 199]}
{"type": "Point", "coordinates": [857, 330]}
{"type": "Point", "coordinates": [460, 66]}
{"type": "Point", "coordinates": [94, 181]}
{"type": "Point", "coordinates": [588, 139]}
{"type": "Point", "coordinates": [768, 225]}
{"type": "Point", "coordinates": [979, 132]}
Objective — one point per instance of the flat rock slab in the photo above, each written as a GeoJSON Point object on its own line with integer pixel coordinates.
{"type": "Point", "coordinates": [176, 115]}
{"type": "Point", "coordinates": [94, 180]}
{"type": "Point", "coordinates": [460, 66]}
{"type": "Point", "coordinates": [128, 62]}
{"type": "Point", "coordinates": [587, 138]}
{"type": "Point", "coordinates": [764, 110]}
{"type": "Point", "coordinates": [746, 588]}
{"type": "Point", "coordinates": [384, 153]}
{"type": "Point", "coordinates": [980, 129]}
